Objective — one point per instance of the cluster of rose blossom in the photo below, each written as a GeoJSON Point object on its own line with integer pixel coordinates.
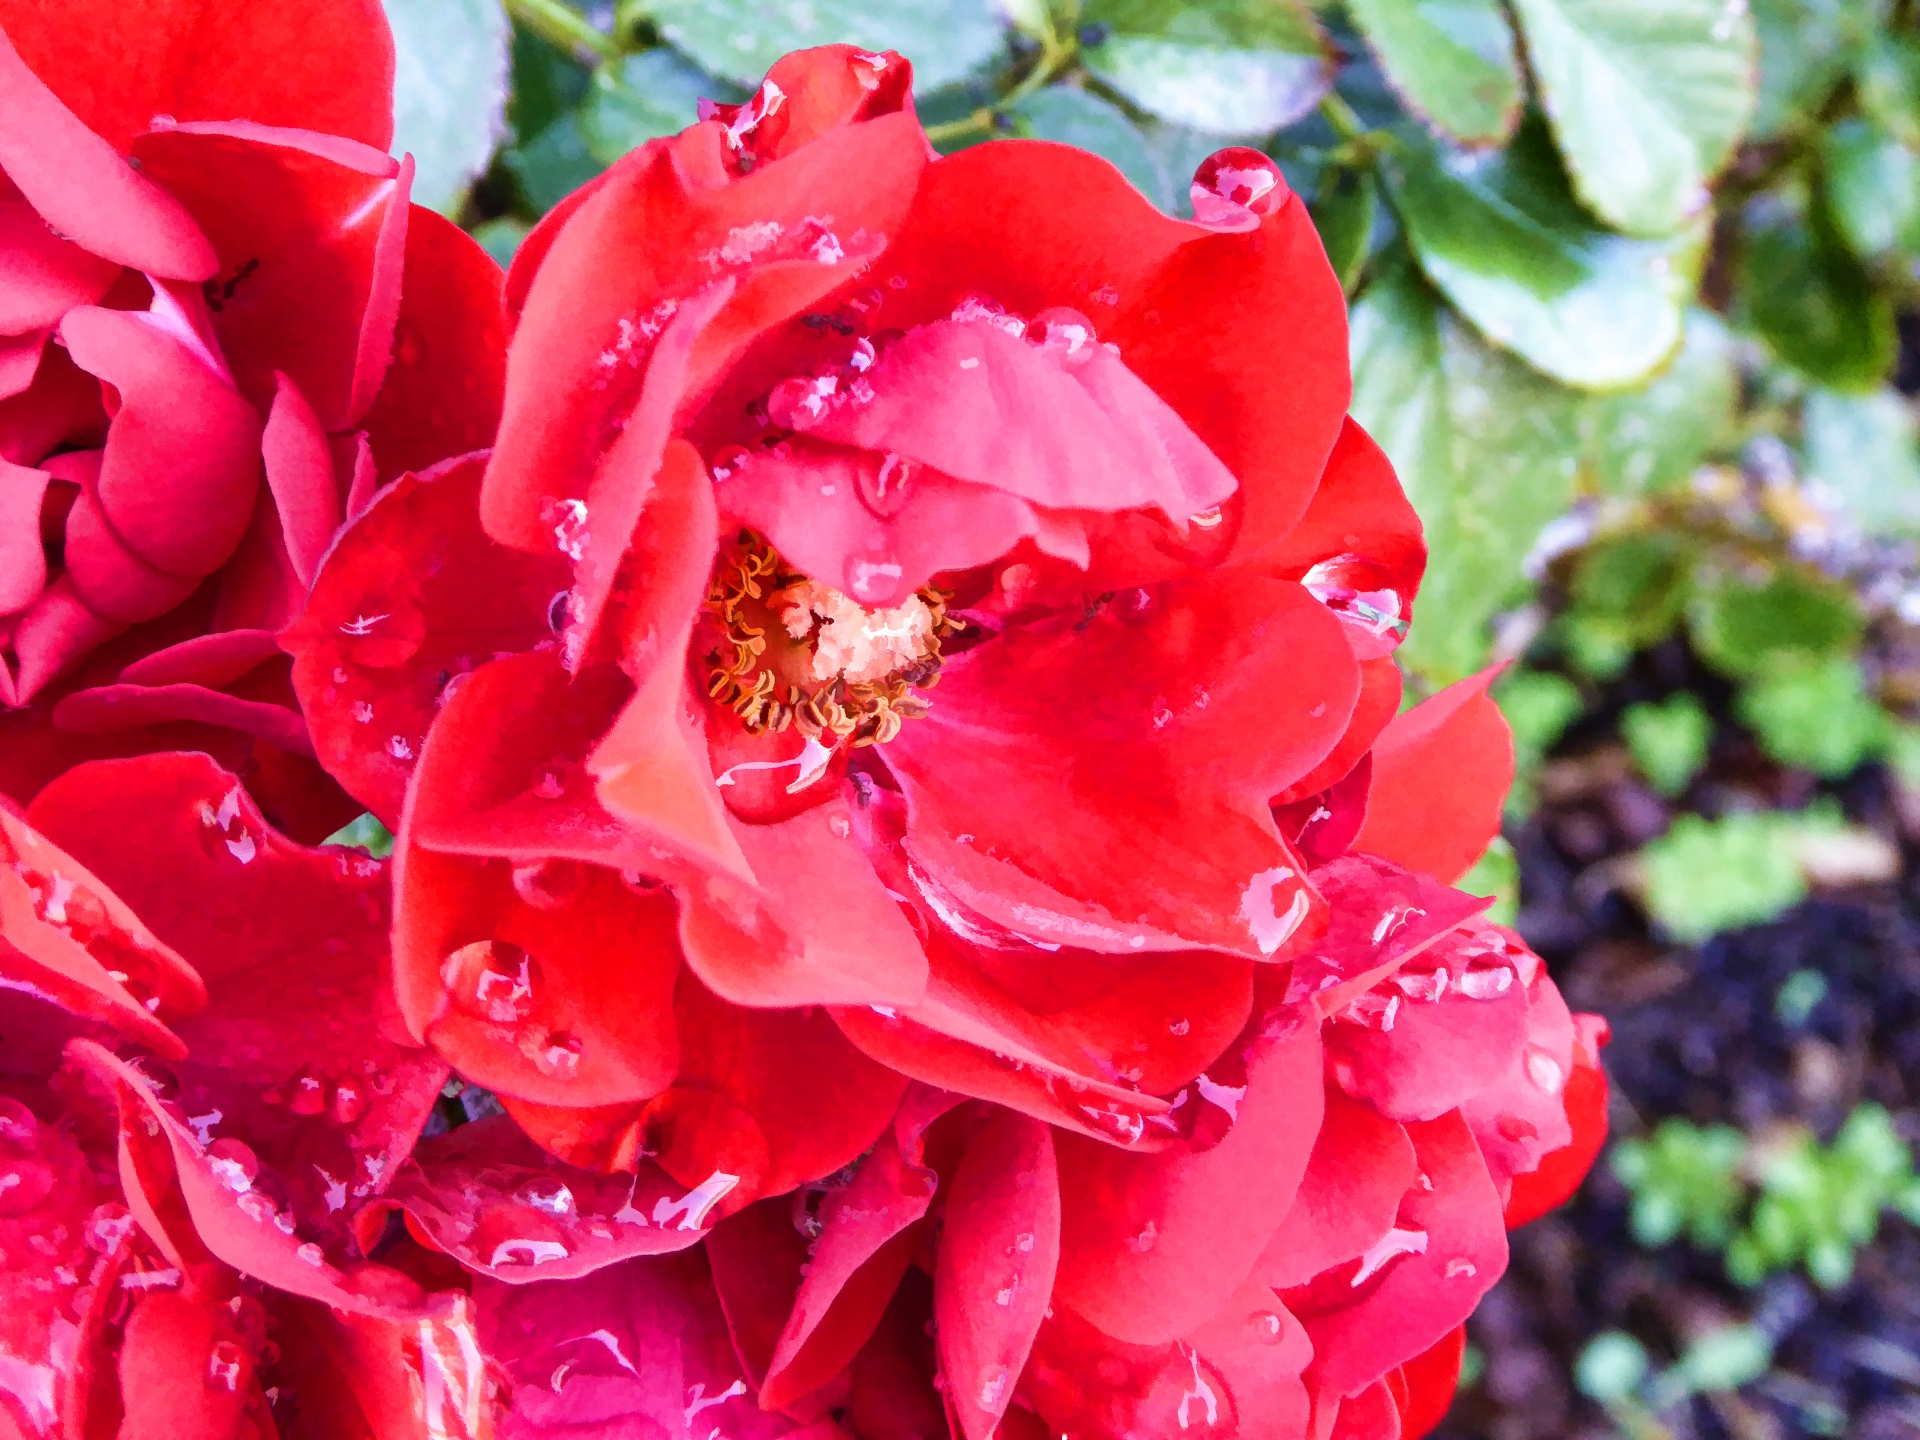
{"type": "Point", "coordinates": [910, 872]}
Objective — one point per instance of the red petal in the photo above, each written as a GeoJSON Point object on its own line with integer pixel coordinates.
{"type": "Point", "coordinates": [864, 1244]}
{"type": "Point", "coordinates": [1359, 512]}
{"type": "Point", "coordinates": [182, 464]}
{"type": "Point", "coordinates": [1560, 1172]}
{"type": "Point", "coordinates": [1446, 1251]}
{"type": "Point", "coordinates": [410, 598]}
{"type": "Point", "coordinates": [319, 63]}
{"type": "Point", "coordinates": [67, 936]}
{"type": "Point", "coordinates": [1521, 1117]}
{"type": "Point", "coordinates": [1383, 917]}
{"type": "Point", "coordinates": [300, 475]}
{"type": "Point", "coordinates": [311, 237]}
{"type": "Point", "coordinates": [46, 275]}
{"type": "Point", "coordinates": [1236, 1374]}
{"type": "Point", "coordinates": [636, 1350]}
{"type": "Point", "coordinates": [645, 236]}
{"type": "Point", "coordinates": [1154, 1244]}
{"type": "Point", "coordinates": [1435, 1036]}
{"type": "Point", "coordinates": [1441, 773]}
{"type": "Point", "coordinates": [326, 1108]}
{"type": "Point", "coordinates": [1379, 702]}
{"type": "Point", "coordinates": [1111, 832]}
{"type": "Point", "coordinates": [441, 395]}
{"type": "Point", "coordinates": [77, 182]}
{"type": "Point", "coordinates": [23, 559]}
{"type": "Point", "coordinates": [1429, 1381]}
{"type": "Point", "coordinates": [171, 1340]}
{"type": "Point", "coordinates": [1369, 1415]}
{"type": "Point", "coordinates": [488, 1196]}
{"type": "Point", "coordinates": [1362, 1163]}
{"type": "Point", "coordinates": [995, 1274]}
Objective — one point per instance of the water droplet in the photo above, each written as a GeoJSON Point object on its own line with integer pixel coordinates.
{"type": "Point", "coordinates": [399, 747]}
{"type": "Point", "coordinates": [24, 1183]}
{"type": "Point", "coordinates": [1267, 1326]}
{"type": "Point", "coordinates": [312, 1254]}
{"type": "Point", "coordinates": [560, 1056]}
{"type": "Point", "coordinates": [884, 487]}
{"type": "Point", "coordinates": [162, 122]}
{"type": "Point", "coordinates": [1023, 1242]}
{"type": "Point", "coordinates": [527, 1252]}
{"type": "Point", "coordinates": [233, 1164]}
{"type": "Point", "coordinates": [225, 1363]}
{"type": "Point", "coordinates": [1179, 1027]}
{"type": "Point", "coordinates": [242, 848]}
{"type": "Point", "coordinates": [548, 1193]}
{"type": "Point", "coordinates": [549, 786]}
{"type": "Point", "coordinates": [1397, 1242]}
{"type": "Point", "coordinates": [727, 461]}
{"type": "Point", "coordinates": [840, 825]}
{"type": "Point", "coordinates": [1458, 1268]}
{"type": "Point", "coordinates": [994, 1384]}
{"type": "Point", "coordinates": [1063, 334]}
{"type": "Point", "coordinates": [801, 401]}
{"type": "Point", "coordinates": [1545, 1072]}
{"type": "Point", "coordinates": [349, 1102]}
{"type": "Point", "coordinates": [1371, 1011]}
{"type": "Point", "coordinates": [1143, 1242]}
{"type": "Point", "coordinates": [306, 1094]}
{"type": "Point", "coordinates": [1426, 986]}
{"type": "Point", "coordinates": [18, 1125]}
{"type": "Point", "coordinates": [872, 579]}
{"type": "Point", "coordinates": [549, 884]}
{"type": "Point", "coordinates": [1361, 593]}
{"type": "Point", "coordinates": [1207, 519]}
{"type": "Point", "coordinates": [568, 520]}
{"type": "Point", "coordinates": [1487, 984]}
{"type": "Point", "coordinates": [362, 712]}
{"type": "Point", "coordinates": [1234, 184]}
{"type": "Point", "coordinates": [492, 980]}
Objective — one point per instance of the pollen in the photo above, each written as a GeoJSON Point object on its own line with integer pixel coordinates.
{"type": "Point", "coordinates": [792, 651]}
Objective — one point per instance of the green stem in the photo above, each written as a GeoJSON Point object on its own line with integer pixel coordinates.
{"type": "Point", "coordinates": [564, 26]}
{"type": "Point", "coordinates": [979, 120]}
{"type": "Point", "coordinates": [1340, 115]}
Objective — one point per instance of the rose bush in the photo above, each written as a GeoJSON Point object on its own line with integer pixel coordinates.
{"type": "Point", "coordinates": [222, 326]}
{"type": "Point", "coordinates": [900, 798]}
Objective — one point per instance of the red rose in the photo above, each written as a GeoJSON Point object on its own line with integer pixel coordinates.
{"type": "Point", "coordinates": [1133, 572]}
{"type": "Point", "coordinates": [221, 327]}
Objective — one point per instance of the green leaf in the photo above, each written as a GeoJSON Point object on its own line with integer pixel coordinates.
{"type": "Point", "coordinates": [1804, 49]}
{"type": "Point", "coordinates": [946, 40]}
{"type": "Point", "coordinates": [1814, 713]}
{"type": "Point", "coordinates": [1668, 741]}
{"type": "Point", "coordinates": [1503, 238]}
{"type": "Point", "coordinates": [1725, 1359]}
{"type": "Point", "coordinates": [1814, 305]}
{"type": "Point", "coordinates": [449, 92]}
{"type": "Point", "coordinates": [1888, 76]}
{"type": "Point", "coordinates": [1741, 628]}
{"type": "Point", "coordinates": [553, 164]}
{"type": "Point", "coordinates": [1230, 67]}
{"type": "Point", "coordinates": [1497, 874]}
{"type": "Point", "coordinates": [1452, 62]}
{"type": "Point", "coordinates": [1646, 441]}
{"type": "Point", "coordinates": [1647, 99]}
{"type": "Point", "coordinates": [1873, 187]}
{"type": "Point", "coordinates": [1611, 1368]}
{"type": "Point", "coordinates": [1864, 449]}
{"type": "Point", "coordinates": [1344, 210]}
{"type": "Point", "coordinates": [547, 82]}
{"type": "Point", "coordinates": [1484, 447]}
{"type": "Point", "coordinates": [500, 237]}
{"type": "Point", "coordinates": [364, 833]}
{"type": "Point", "coordinates": [1705, 876]}
{"type": "Point", "coordinates": [1071, 116]}
{"type": "Point", "coordinates": [643, 97]}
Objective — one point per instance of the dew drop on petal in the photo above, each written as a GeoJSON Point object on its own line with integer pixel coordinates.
{"type": "Point", "coordinates": [492, 980]}
{"type": "Point", "coordinates": [560, 1055]}
{"type": "Point", "coordinates": [306, 1094]}
{"type": "Point", "coordinates": [233, 1163]}
{"type": "Point", "coordinates": [1062, 333]}
{"type": "Point", "coordinates": [349, 1101]}
{"type": "Point", "coordinates": [1267, 1326]}
{"type": "Point", "coordinates": [548, 1193]}
{"type": "Point", "coordinates": [1545, 1072]}
{"type": "Point", "coordinates": [549, 884]}
{"type": "Point", "coordinates": [1234, 183]}
{"type": "Point", "coordinates": [312, 1254]}
{"type": "Point", "coordinates": [225, 1363]}
{"type": "Point", "coordinates": [883, 487]}
{"type": "Point", "coordinates": [994, 1384]}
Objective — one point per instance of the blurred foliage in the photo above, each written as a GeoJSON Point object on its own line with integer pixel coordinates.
{"type": "Point", "coordinates": [1786, 1202]}
{"type": "Point", "coordinates": [365, 833]}
{"type": "Point", "coordinates": [1704, 876]}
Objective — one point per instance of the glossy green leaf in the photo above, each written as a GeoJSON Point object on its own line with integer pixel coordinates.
{"type": "Point", "coordinates": [547, 82]}
{"type": "Point", "coordinates": [1071, 116]}
{"type": "Point", "coordinates": [1804, 49]}
{"type": "Point", "coordinates": [1344, 210]}
{"type": "Point", "coordinates": [642, 97]}
{"type": "Point", "coordinates": [1647, 99]}
{"type": "Point", "coordinates": [1742, 628]}
{"type": "Point", "coordinates": [1503, 238]}
{"type": "Point", "coordinates": [1229, 67]}
{"type": "Point", "coordinates": [451, 59]}
{"type": "Point", "coordinates": [1873, 187]}
{"type": "Point", "coordinates": [1705, 876]}
{"type": "Point", "coordinates": [1864, 449]}
{"type": "Point", "coordinates": [1814, 305]}
{"type": "Point", "coordinates": [946, 40]}
{"type": "Point", "coordinates": [1642, 442]}
{"type": "Point", "coordinates": [1484, 447]}
{"type": "Point", "coordinates": [553, 164]}
{"type": "Point", "coordinates": [1814, 713]}
{"type": "Point", "coordinates": [1452, 62]}
{"type": "Point", "coordinates": [1887, 75]}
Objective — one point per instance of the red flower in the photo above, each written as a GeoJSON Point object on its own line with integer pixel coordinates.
{"type": "Point", "coordinates": [221, 326]}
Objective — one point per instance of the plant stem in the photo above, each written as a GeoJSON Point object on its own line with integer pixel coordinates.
{"type": "Point", "coordinates": [558, 22]}
{"type": "Point", "coordinates": [979, 120]}
{"type": "Point", "coordinates": [1340, 115]}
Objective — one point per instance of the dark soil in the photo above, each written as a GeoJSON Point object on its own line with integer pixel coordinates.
{"type": "Point", "coordinates": [1695, 1034]}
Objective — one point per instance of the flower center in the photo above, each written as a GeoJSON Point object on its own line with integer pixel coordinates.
{"type": "Point", "coordinates": [796, 652]}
